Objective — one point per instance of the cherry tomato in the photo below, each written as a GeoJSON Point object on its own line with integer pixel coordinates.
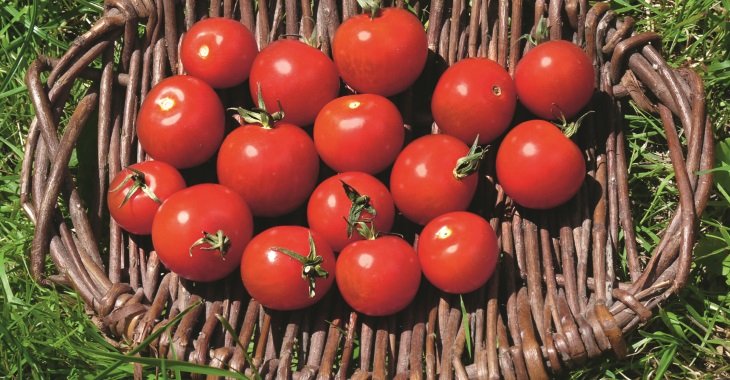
{"type": "Point", "coordinates": [423, 182]}
{"type": "Point", "coordinates": [554, 80]}
{"type": "Point", "coordinates": [538, 166]}
{"type": "Point", "coordinates": [378, 277]}
{"type": "Point", "coordinates": [274, 168]}
{"type": "Point", "coordinates": [300, 77]}
{"type": "Point", "coordinates": [284, 270]}
{"type": "Point", "coordinates": [200, 232]}
{"type": "Point", "coordinates": [359, 133]}
{"type": "Point", "coordinates": [383, 54]}
{"type": "Point", "coordinates": [181, 122]}
{"type": "Point", "coordinates": [474, 97]}
{"type": "Point", "coordinates": [219, 51]}
{"type": "Point", "coordinates": [332, 204]}
{"type": "Point", "coordinates": [137, 192]}
{"type": "Point", "coordinates": [458, 252]}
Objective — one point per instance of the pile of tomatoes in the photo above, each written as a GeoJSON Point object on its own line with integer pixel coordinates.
{"type": "Point", "coordinates": [269, 167]}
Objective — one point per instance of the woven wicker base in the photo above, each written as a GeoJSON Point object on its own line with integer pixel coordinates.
{"type": "Point", "coordinates": [555, 299]}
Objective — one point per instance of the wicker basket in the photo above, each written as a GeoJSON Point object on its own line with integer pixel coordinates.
{"type": "Point", "coordinates": [554, 301]}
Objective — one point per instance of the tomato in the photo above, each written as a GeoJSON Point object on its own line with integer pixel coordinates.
{"type": "Point", "coordinates": [181, 121]}
{"type": "Point", "coordinates": [284, 270]}
{"type": "Point", "coordinates": [137, 192]}
{"type": "Point", "coordinates": [379, 276]}
{"type": "Point", "coordinates": [458, 251]}
{"type": "Point", "coordinates": [273, 166]}
{"type": "Point", "coordinates": [359, 133]}
{"type": "Point", "coordinates": [383, 54]}
{"type": "Point", "coordinates": [538, 166]}
{"type": "Point", "coordinates": [423, 182]}
{"type": "Point", "coordinates": [330, 207]}
{"type": "Point", "coordinates": [300, 77]}
{"type": "Point", "coordinates": [200, 232]}
{"type": "Point", "coordinates": [474, 97]}
{"type": "Point", "coordinates": [555, 80]}
{"type": "Point", "coordinates": [219, 51]}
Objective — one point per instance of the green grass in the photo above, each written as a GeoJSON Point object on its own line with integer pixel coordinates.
{"type": "Point", "coordinates": [46, 333]}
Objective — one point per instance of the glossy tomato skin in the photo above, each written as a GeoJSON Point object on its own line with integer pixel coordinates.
{"type": "Point", "coordinates": [219, 51]}
{"type": "Point", "coordinates": [474, 97]}
{"type": "Point", "coordinates": [538, 167]}
{"type": "Point", "coordinates": [181, 221]}
{"type": "Point", "coordinates": [554, 79]}
{"type": "Point", "coordinates": [378, 277]}
{"type": "Point", "coordinates": [135, 215]}
{"type": "Point", "coordinates": [383, 55]}
{"type": "Point", "coordinates": [275, 279]}
{"type": "Point", "coordinates": [329, 207]}
{"type": "Point", "coordinates": [299, 76]}
{"type": "Point", "coordinates": [458, 252]}
{"type": "Point", "coordinates": [273, 169]}
{"type": "Point", "coordinates": [181, 121]}
{"type": "Point", "coordinates": [422, 181]}
{"type": "Point", "coordinates": [361, 132]}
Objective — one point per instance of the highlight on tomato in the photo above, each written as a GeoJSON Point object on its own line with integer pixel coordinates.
{"type": "Point", "coordinates": [342, 201]}
{"type": "Point", "coordinates": [458, 252]}
{"type": "Point", "coordinates": [200, 232]}
{"type": "Point", "coordinates": [137, 191]}
{"type": "Point", "coordinates": [219, 51]}
{"type": "Point", "coordinates": [181, 121]}
{"type": "Point", "coordinates": [288, 267]}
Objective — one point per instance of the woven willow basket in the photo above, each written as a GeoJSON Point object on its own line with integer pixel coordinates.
{"type": "Point", "coordinates": [555, 299]}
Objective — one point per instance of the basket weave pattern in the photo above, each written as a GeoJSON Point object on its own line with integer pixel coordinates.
{"type": "Point", "coordinates": [555, 299]}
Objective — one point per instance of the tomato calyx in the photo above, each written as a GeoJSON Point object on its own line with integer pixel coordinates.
{"type": "Point", "coordinates": [138, 183]}
{"type": "Point", "coordinates": [312, 40]}
{"type": "Point", "coordinates": [469, 164]}
{"type": "Point", "coordinates": [311, 264]}
{"type": "Point", "coordinates": [372, 6]}
{"type": "Point", "coordinates": [259, 115]}
{"type": "Point", "coordinates": [218, 242]}
{"type": "Point", "coordinates": [360, 203]}
{"type": "Point", "coordinates": [571, 128]}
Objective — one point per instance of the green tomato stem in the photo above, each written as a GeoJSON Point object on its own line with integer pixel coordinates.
{"type": "Point", "coordinates": [311, 264]}
{"type": "Point", "coordinates": [469, 164]}
{"type": "Point", "coordinates": [218, 242]}
{"type": "Point", "coordinates": [137, 177]}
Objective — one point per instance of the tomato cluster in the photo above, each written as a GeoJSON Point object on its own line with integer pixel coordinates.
{"type": "Point", "coordinates": [350, 173]}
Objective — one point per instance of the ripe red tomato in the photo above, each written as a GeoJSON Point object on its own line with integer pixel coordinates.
{"type": "Point", "coordinates": [330, 206]}
{"type": "Point", "coordinates": [381, 55]}
{"type": "Point", "coordinates": [181, 121]}
{"type": "Point", "coordinates": [273, 168]}
{"type": "Point", "coordinates": [200, 232]}
{"type": "Point", "coordinates": [458, 252]}
{"type": "Point", "coordinates": [359, 133]}
{"type": "Point", "coordinates": [378, 277]}
{"type": "Point", "coordinates": [284, 270]}
{"type": "Point", "coordinates": [137, 192]}
{"type": "Point", "coordinates": [423, 183]}
{"type": "Point", "coordinates": [554, 80]}
{"type": "Point", "coordinates": [474, 97]}
{"type": "Point", "coordinates": [219, 51]}
{"type": "Point", "coordinates": [538, 166]}
{"type": "Point", "coordinates": [300, 77]}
